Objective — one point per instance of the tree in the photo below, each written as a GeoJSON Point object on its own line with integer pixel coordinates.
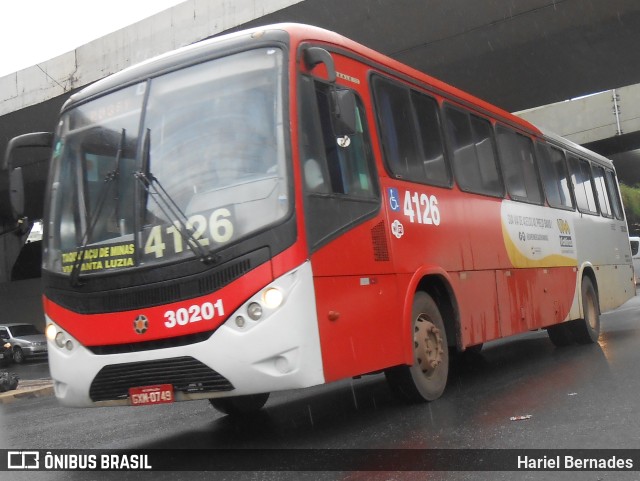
{"type": "Point", "coordinates": [631, 200]}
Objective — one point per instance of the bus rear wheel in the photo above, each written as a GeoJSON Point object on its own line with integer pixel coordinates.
{"type": "Point", "coordinates": [426, 379]}
{"type": "Point", "coordinates": [248, 404]}
{"type": "Point", "coordinates": [587, 329]}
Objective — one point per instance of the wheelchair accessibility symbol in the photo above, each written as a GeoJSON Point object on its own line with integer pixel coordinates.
{"type": "Point", "coordinates": [394, 197]}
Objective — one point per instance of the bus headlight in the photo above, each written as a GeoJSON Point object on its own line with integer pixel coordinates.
{"type": "Point", "coordinates": [60, 340]}
{"type": "Point", "coordinates": [59, 337]}
{"type": "Point", "coordinates": [51, 332]}
{"type": "Point", "coordinates": [254, 311]}
{"type": "Point", "coordinates": [272, 298]}
{"type": "Point", "coordinates": [263, 304]}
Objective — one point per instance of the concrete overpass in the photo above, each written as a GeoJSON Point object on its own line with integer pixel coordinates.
{"type": "Point", "coordinates": [607, 122]}
{"type": "Point", "coordinates": [515, 54]}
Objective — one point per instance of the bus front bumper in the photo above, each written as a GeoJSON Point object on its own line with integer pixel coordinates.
{"type": "Point", "coordinates": [278, 352]}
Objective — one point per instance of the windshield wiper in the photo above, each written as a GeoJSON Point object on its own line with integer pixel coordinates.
{"type": "Point", "coordinates": [166, 204]}
{"type": "Point", "coordinates": [74, 276]}
{"type": "Point", "coordinates": [172, 212]}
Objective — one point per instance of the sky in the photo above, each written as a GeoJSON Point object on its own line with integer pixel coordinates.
{"type": "Point", "coordinates": [32, 31]}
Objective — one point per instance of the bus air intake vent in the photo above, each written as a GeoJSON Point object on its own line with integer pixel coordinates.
{"type": "Point", "coordinates": [221, 278]}
{"type": "Point", "coordinates": [186, 374]}
{"type": "Point", "coordinates": [379, 241]}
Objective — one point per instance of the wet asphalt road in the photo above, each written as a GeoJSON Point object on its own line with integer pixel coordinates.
{"type": "Point", "coordinates": [577, 397]}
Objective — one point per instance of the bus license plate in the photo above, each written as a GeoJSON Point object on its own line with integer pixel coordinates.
{"type": "Point", "coordinates": [145, 395]}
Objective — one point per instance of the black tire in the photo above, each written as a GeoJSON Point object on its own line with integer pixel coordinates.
{"type": "Point", "coordinates": [427, 378]}
{"type": "Point", "coordinates": [587, 329]}
{"type": "Point", "coordinates": [248, 404]}
{"type": "Point", "coordinates": [18, 355]}
{"type": "Point", "coordinates": [560, 334]}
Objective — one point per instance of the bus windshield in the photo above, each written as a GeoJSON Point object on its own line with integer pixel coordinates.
{"type": "Point", "coordinates": [187, 162]}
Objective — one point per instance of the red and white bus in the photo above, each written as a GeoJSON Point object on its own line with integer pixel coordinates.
{"type": "Point", "coordinates": [283, 207]}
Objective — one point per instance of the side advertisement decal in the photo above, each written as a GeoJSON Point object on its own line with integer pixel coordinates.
{"type": "Point", "coordinates": [536, 236]}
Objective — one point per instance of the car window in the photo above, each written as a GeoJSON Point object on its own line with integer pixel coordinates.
{"type": "Point", "coordinates": [24, 330]}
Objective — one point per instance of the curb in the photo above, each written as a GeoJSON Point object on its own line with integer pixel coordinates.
{"type": "Point", "coordinates": [27, 390]}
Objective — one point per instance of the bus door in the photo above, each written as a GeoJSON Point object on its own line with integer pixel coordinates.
{"type": "Point", "coordinates": [356, 293]}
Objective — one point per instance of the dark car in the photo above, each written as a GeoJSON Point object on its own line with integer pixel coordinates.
{"type": "Point", "coordinates": [26, 341]}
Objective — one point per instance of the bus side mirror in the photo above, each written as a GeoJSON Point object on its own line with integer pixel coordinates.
{"type": "Point", "coordinates": [343, 101]}
{"type": "Point", "coordinates": [20, 179]}
{"type": "Point", "coordinates": [344, 114]}
{"type": "Point", "coordinates": [16, 192]}
{"type": "Point", "coordinates": [315, 55]}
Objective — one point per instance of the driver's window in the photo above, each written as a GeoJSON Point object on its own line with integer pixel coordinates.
{"type": "Point", "coordinates": [339, 175]}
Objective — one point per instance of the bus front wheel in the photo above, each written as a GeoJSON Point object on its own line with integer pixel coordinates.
{"type": "Point", "coordinates": [426, 379]}
{"type": "Point", "coordinates": [248, 404]}
{"type": "Point", "coordinates": [587, 329]}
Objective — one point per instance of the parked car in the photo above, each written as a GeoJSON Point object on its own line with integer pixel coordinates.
{"type": "Point", "coordinates": [26, 341]}
{"type": "Point", "coordinates": [6, 354]}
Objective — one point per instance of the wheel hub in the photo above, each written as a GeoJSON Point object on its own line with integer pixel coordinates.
{"type": "Point", "coordinates": [428, 345]}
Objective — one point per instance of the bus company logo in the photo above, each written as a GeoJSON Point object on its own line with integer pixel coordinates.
{"type": "Point", "coordinates": [394, 199]}
{"type": "Point", "coordinates": [564, 227]}
{"type": "Point", "coordinates": [141, 324]}
{"type": "Point", "coordinates": [23, 460]}
{"type": "Point", "coordinates": [565, 233]}
{"type": "Point", "coordinates": [566, 241]}
{"type": "Point", "coordinates": [397, 229]}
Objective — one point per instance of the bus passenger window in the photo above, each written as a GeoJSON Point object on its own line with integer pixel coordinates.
{"type": "Point", "coordinates": [397, 127]}
{"type": "Point", "coordinates": [433, 160]}
{"type": "Point", "coordinates": [581, 177]}
{"type": "Point", "coordinates": [614, 194]}
{"type": "Point", "coordinates": [472, 149]}
{"type": "Point", "coordinates": [518, 166]}
{"type": "Point", "coordinates": [411, 135]}
{"type": "Point", "coordinates": [555, 180]}
{"type": "Point", "coordinates": [601, 190]}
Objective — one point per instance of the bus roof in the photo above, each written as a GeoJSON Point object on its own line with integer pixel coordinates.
{"type": "Point", "coordinates": [296, 34]}
{"type": "Point", "coordinates": [301, 33]}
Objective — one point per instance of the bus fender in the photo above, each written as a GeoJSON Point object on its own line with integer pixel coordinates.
{"type": "Point", "coordinates": [586, 269]}
{"type": "Point", "coordinates": [437, 282]}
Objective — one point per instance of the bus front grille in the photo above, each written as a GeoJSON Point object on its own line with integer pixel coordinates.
{"type": "Point", "coordinates": [186, 374]}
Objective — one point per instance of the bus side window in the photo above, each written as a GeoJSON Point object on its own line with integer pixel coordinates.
{"type": "Point", "coordinates": [601, 190]}
{"type": "Point", "coordinates": [429, 127]}
{"type": "Point", "coordinates": [472, 149]}
{"type": "Point", "coordinates": [346, 163]}
{"type": "Point", "coordinates": [614, 194]}
{"type": "Point", "coordinates": [580, 171]}
{"type": "Point", "coordinates": [339, 177]}
{"type": "Point", "coordinates": [518, 166]}
{"type": "Point", "coordinates": [409, 123]}
{"type": "Point", "coordinates": [555, 179]}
